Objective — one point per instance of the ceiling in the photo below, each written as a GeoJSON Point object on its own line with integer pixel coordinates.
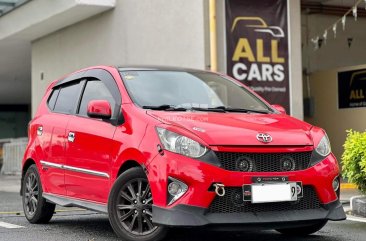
{"type": "Point", "coordinates": [8, 5]}
{"type": "Point", "coordinates": [332, 7]}
{"type": "Point", "coordinates": [345, 3]}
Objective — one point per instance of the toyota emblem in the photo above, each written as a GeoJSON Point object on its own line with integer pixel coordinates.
{"type": "Point", "coordinates": [263, 137]}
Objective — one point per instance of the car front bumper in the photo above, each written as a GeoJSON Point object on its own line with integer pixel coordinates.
{"type": "Point", "coordinates": [200, 206]}
{"type": "Point", "coordinates": [189, 216]}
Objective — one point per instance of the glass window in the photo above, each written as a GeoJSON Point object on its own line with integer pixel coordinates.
{"type": "Point", "coordinates": [188, 89]}
{"type": "Point", "coordinates": [95, 90]}
{"type": "Point", "coordinates": [52, 99]}
{"type": "Point", "coordinates": [67, 98]}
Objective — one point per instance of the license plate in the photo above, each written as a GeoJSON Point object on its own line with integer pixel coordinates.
{"type": "Point", "coordinates": [273, 192]}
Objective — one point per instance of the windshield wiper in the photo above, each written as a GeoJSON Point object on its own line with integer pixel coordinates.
{"type": "Point", "coordinates": [164, 107]}
{"type": "Point", "coordinates": [240, 110]}
{"type": "Point", "coordinates": [207, 109]}
{"type": "Point", "coordinates": [220, 109]}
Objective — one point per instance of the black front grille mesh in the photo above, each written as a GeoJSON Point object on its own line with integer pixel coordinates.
{"type": "Point", "coordinates": [264, 162]}
{"type": "Point", "coordinates": [233, 202]}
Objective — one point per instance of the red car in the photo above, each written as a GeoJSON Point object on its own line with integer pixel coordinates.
{"type": "Point", "coordinates": [160, 147]}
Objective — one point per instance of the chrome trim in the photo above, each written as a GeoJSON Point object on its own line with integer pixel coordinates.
{"type": "Point", "coordinates": [75, 169]}
{"type": "Point", "coordinates": [86, 171]}
{"type": "Point", "coordinates": [50, 164]}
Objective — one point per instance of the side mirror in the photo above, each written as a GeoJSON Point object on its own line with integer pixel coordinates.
{"type": "Point", "coordinates": [280, 108]}
{"type": "Point", "coordinates": [100, 109]}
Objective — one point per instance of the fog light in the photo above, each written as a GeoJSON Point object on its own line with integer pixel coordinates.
{"type": "Point", "coordinates": [335, 184]}
{"type": "Point", "coordinates": [287, 164]}
{"type": "Point", "coordinates": [176, 189]}
{"type": "Point", "coordinates": [244, 164]}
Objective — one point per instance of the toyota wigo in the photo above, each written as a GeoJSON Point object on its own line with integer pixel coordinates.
{"type": "Point", "coordinates": [158, 147]}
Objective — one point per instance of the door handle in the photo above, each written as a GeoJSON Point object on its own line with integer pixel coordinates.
{"type": "Point", "coordinates": [71, 137]}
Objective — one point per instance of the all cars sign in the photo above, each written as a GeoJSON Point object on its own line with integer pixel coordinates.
{"type": "Point", "coordinates": [257, 47]}
{"type": "Point", "coordinates": [352, 89]}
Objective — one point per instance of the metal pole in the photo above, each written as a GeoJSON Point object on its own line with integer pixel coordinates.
{"type": "Point", "coordinates": [213, 36]}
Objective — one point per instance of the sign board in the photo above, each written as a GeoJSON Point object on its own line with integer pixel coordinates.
{"type": "Point", "coordinates": [352, 89]}
{"type": "Point", "coordinates": [257, 47]}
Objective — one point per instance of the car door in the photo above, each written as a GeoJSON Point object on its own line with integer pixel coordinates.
{"type": "Point", "coordinates": [89, 146]}
{"type": "Point", "coordinates": [51, 131]}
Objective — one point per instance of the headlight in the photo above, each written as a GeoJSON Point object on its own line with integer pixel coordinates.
{"type": "Point", "coordinates": [323, 147]}
{"type": "Point", "coordinates": [180, 144]}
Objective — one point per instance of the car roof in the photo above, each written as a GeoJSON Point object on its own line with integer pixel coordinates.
{"type": "Point", "coordinates": [158, 68]}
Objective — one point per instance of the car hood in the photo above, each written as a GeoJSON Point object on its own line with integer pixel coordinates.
{"type": "Point", "coordinates": [239, 129]}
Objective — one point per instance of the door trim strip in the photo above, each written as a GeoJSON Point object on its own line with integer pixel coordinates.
{"type": "Point", "coordinates": [74, 169]}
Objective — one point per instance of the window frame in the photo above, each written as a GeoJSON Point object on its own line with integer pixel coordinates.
{"type": "Point", "coordinates": [50, 96]}
{"type": "Point", "coordinates": [83, 77]}
{"type": "Point", "coordinates": [114, 108]}
{"type": "Point", "coordinates": [81, 83]}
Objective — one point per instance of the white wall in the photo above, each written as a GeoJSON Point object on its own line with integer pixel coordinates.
{"type": "Point", "coordinates": [335, 53]}
{"type": "Point", "coordinates": [140, 32]}
{"type": "Point", "coordinates": [335, 121]}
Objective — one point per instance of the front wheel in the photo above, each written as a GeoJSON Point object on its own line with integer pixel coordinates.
{"type": "Point", "coordinates": [130, 208]}
{"type": "Point", "coordinates": [303, 231]}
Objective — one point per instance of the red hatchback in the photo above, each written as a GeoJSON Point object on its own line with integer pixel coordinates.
{"type": "Point", "coordinates": [163, 147]}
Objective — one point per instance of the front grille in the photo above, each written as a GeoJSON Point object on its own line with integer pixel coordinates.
{"type": "Point", "coordinates": [264, 162]}
{"type": "Point", "coordinates": [233, 202]}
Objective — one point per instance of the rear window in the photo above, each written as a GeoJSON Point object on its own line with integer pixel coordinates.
{"type": "Point", "coordinates": [67, 98]}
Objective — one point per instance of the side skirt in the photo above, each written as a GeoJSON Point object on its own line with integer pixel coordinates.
{"type": "Point", "coordinates": [69, 202]}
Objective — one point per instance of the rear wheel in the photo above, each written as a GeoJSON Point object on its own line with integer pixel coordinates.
{"type": "Point", "coordinates": [36, 208]}
{"type": "Point", "coordinates": [303, 231]}
{"type": "Point", "coordinates": [130, 208]}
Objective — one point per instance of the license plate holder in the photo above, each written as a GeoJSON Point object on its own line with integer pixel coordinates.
{"type": "Point", "coordinates": [276, 190]}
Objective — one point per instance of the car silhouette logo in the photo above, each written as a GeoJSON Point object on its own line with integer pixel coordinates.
{"type": "Point", "coordinates": [263, 137]}
{"type": "Point", "coordinates": [259, 25]}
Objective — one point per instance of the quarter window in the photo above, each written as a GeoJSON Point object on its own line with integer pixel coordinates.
{"type": "Point", "coordinates": [95, 90]}
{"type": "Point", "coordinates": [52, 99]}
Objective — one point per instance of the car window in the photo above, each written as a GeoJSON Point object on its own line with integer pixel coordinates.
{"type": "Point", "coordinates": [188, 89]}
{"type": "Point", "coordinates": [95, 90]}
{"type": "Point", "coordinates": [52, 99]}
{"type": "Point", "coordinates": [67, 98]}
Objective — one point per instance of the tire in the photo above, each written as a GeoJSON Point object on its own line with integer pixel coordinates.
{"type": "Point", "coordinates": [36, 208]}
{"type": "Point", "coordinates": [130, 208]}
{"type": "Point", "coordinates": [303, 231]}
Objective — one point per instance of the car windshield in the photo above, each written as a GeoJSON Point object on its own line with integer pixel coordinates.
{"type": "Point", "coordinates": [188, 90]}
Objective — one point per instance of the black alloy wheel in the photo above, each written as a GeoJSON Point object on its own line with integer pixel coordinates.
{"type": "Point", "coordinates": [36, 208]}
{"type": "Point", "coordinates": [130, 208]}
{"type": "Point", "coordinates": [135, 207]}
{"type": "Point", "coordinates": [31, 194]}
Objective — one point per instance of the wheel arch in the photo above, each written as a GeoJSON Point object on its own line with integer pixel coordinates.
{"type": "Point", "coordinates": [26, 165]}
{"type": "Point", "coordinates": [128, 159]}
{"type": "Point", "coordinates": [128, 165]}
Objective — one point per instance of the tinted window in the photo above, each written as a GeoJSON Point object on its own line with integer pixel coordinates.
{"type": "Point", "coordinates": [52, 99]}
{"type": "Point", "coordinates": [67, 98]}
{"type": "Point", "coordinates": [95, 90]}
